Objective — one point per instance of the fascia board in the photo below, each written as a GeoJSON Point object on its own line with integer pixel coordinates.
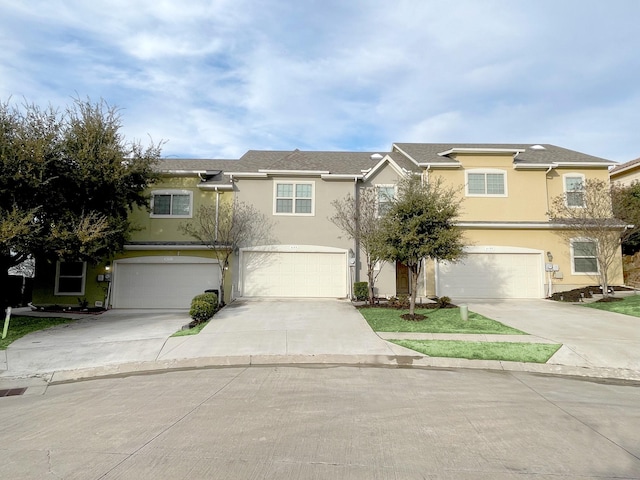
{"type": "Point", "coordinates": [246, 174]}
{"type": "Point", "coordinates": [341, 176]}
{"type": "Point", "coordinates": [404, 153]}
{"type": "Point", "coordinates": [432, 165]}
{"type": "Point", "coordinates": [480, 150]}
{"type": "Point", "coordinates": [584, 164]}
{"type": "Point", "coordinates": [295, 172]}
{"type": "Point", "coordinates": [204, 186]}
{"type": "Point", "coordinates": [386, 159]}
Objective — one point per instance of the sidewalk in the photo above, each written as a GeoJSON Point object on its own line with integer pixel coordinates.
{"type": "Point", "coordinates": [596, 344]}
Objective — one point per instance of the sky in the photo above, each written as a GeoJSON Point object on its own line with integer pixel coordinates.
{"type": "Point", "coordinates": [216, 78]}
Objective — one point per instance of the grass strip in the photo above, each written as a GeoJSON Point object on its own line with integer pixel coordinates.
{"type": "Point", "coordinates": [191, 331]}
{"type": "Point", "coordinates": [443, 320]}
{"type": "Point", "coordinates": [506, 351]}
{"type": "Point", "coordinates": [21, 326]}
{"type": "Point", "coordinates": [628, 306]}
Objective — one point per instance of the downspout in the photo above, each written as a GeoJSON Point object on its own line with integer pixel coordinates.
{"type": "Point", "coordinates": [217, 210]}
{"type": "Point", "coordinates": [356, 240]}
{"type": "Point", "coordinates": [546, 185]}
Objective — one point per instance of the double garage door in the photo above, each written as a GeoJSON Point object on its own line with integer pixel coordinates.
{"type": "Point", "coordinates": [162, 282]}
{"type": "Point", "coordinates": [294, 273]}
{"type": "Point", "coordinates": [492, 275]}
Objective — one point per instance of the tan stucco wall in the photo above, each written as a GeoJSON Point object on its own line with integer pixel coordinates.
{"type": "Point", "coordinates": [628, 177]}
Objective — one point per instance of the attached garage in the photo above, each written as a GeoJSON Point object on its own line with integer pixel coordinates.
{"type": "Point", "coordinates": [492, 272]}
{"type": "Point", "coordinates": [162, 282]}
{"type": "Point", "coordinates": [294, 271]}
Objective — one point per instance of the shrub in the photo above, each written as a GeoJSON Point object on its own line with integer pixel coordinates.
{"type": "Point", "coordinates": [443, 301]}
{"type": "Point", "coordinates": [203, 307]}
{"type": "Point", "coordinates": [361, 290]}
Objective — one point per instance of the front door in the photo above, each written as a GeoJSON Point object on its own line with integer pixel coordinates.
{"type": "Point", "coordinates": [402, 279]}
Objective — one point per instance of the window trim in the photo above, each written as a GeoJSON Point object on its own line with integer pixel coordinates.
{"type": "Point", "coordinates": [573, 257]}
{"type": "Point", "coordinates": [384, 185]}
{"type": "Point", "coordinates": [57, 291]}
{"type": "Point", "coordinates": [565, 176]}
{"type": "Point", "coordinates": [485, 171]}
{"type": "Point", "coordinates": [293, 212]}
{"type": "Point", "coordinates": [171, 192]}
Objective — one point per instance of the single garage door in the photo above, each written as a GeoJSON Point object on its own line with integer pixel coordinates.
{"type": "Point", "coordinates": [162, 282]}
{"type": "Point", "coordinates": [294, 274]}
{"type": "Point", "coordinates": [492, 275]}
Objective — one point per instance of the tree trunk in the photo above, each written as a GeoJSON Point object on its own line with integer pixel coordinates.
{"type": "Point", "coordinates": [371, 280]}
{"type": "Point", "coordinates": [415, 272]}
{"type": "Point", "coordinates": [221, 297]}
{"type": "Point", "coordinates": [4, 285]}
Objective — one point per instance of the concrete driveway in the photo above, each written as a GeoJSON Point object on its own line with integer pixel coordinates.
{"type": "Point", "coordinates": [283, 327]}
{"type": "Point", "coordinates": [115, 336]}
{"type": "Point", "coordinates": [591, 337]}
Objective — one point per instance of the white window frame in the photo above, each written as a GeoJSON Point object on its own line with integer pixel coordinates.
{"type": "Point", "coordinates": [172, 192]}
{"type": "Point", "coordinates": [485, 171]}
{"type": "Point", "coordinates": [566, 191]}
{"type": "Point", "coordinates": [573, 256]}
{"type": "Point", "coordinates": [293, 198]}
{"type": "Point", "coordinates": [83, 277]}
{"type": "Point", "coordinates": [384, 185]}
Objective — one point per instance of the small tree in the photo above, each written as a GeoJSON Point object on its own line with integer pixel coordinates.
{"type": "Point", "coordinates": [421, 224]}
{"type": "Point", "coordinates": [593, 222]}
{"type": "Point", "coordinates": [232, 226]}
{"type": "Point", "coordinates": [625, 201]}
{"type": "Point", "coordinates": [360, 221]}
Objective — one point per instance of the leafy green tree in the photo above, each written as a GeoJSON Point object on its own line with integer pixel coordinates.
{"type": "Point", "coordinates": [625, 201]}
{"type": "Point", "coordinates": [360, 221]}
{"type": "Point", "coordinates": [68, 181]}
{"type": "Point", "coordinates": [421, 225]}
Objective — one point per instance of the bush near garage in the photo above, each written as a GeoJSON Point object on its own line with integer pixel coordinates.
{"type": "Point", "coordinates": [361, 290]}
{"type": "Point", "coordinates": [203, 306]}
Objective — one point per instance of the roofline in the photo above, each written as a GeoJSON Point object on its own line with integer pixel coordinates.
{"type": "Point", "coordinates": [394, 145]}
{"type": "Point", "coordinates": [386, 159]}
{"type": "Point", "coordinates": [583, 164]}
{"type": "Point", "coordinates": [246, 174]}
{"type": "Point", "coordinates": [205, 186]}
{"type": "Point", "coordinates": [615, 172]}
{"type": "Point", "coordinates": [440, 164]}
{"type": "Point", "coordinates": [480, 150]}
{"type": "Point", "coordinates": [341, 176]}
{"type": "Point", "coordinates": [531, 225]}
{"type": "Point", "coordinates": [295, 172]}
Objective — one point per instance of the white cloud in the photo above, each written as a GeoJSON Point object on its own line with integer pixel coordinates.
{"type": "Point", "coordinates": [219, 77]}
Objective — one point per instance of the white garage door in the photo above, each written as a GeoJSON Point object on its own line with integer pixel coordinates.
{"type": "Point", "coordinates": [157, 282]}
{"type": "Point", "coordinates": [294, 274]}
{"type": "Point", "coordinates": [492, 275]}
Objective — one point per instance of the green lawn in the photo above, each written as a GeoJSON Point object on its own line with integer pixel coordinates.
{"type": "Point", "coordinates": [191, 331]}
{"type": "Point", "coordinates": [20, 326]}
{"type": "Point", "coordinates": [444, 320]}
{"type": "Point", "coordinates": [513, 352]}
{"type": "Point", "coordinates": [628, 305]}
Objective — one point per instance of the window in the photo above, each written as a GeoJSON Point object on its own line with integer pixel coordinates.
{"type": "Point", "coordinates": [386, 194]}
{"type": "Point", "coordinates": [489, 183]}
{"type": "Point", "coordinates": [584, 258]}
{"type": "Point", "coordinates": [574, 190]}
{"type": "Point", "coordinates": [171, 203]}
{"type": "Point", "coordinates": [70, 278]}
{"type": "Point", "coordinates": [294, 198]}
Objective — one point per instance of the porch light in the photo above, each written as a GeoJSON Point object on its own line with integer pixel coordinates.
{"type": "Point", "coordinates": [549, 257]}
{"type": "Point", "coordinates": [107, 267]}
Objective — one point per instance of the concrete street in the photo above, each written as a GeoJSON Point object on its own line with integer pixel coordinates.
{"type": "Point", "coordinates": [288, 422]}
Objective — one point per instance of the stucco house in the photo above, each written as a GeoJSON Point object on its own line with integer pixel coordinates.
{"type": "Point", "coordinates": [626, 173]}
{"type": "Point", "coordinates": [514, 250]}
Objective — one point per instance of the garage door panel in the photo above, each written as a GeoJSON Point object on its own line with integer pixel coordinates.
{"type": "Point", "coordinates": [162, 285]}
{"type": "Point", "coordinates": [294, 274]}
{"type": "Point", "coordinates": [495, 275]}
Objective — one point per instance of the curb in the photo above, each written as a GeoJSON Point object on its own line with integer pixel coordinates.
{"type": "Point", "coordinates": [41, 381]}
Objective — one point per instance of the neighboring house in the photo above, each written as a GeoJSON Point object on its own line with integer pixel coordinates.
{"type": "Point", "coordinates": [514, 251]}
{"type": "Point", "coordinates": [626, 173]}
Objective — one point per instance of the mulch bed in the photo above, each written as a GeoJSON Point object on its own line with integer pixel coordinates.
{"type": "Point", "coordinates": [579, 294]}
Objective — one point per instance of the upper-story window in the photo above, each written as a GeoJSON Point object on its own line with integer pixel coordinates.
{"type": "Point", "coordinates": [486, 183]}
{"type": "Point", "coordinates": [294, 198]}
{"type": "Point", "coordinates": [171, 203]}
{"type": "Point", "coordinates": [574, 189]}
{"type": "Point", "coordinates": [70, 278]}
{"type": "Point", "coordinates": [385, 195]}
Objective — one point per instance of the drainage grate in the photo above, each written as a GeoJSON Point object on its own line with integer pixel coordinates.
{"type": "Point", "coordinates": [12, 391]}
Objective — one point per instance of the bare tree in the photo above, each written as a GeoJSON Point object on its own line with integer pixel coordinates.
{"type": "Point", "coordinates": [224, 230]}
{"type": "Point", "coordinates": [360, 221]}
{"type": "Point", "coordinates": [586, 221]}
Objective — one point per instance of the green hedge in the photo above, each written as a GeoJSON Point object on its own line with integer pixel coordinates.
{"type": "Point", "coordinates": [361, 290]}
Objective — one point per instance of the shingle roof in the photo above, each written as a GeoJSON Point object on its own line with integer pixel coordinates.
{"type": "Point", "coordinates": [625, 166]}
{"type": "Point", "coordinates": [548, 154]}
{"type": "Point", "coordinates": [406, 155]}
